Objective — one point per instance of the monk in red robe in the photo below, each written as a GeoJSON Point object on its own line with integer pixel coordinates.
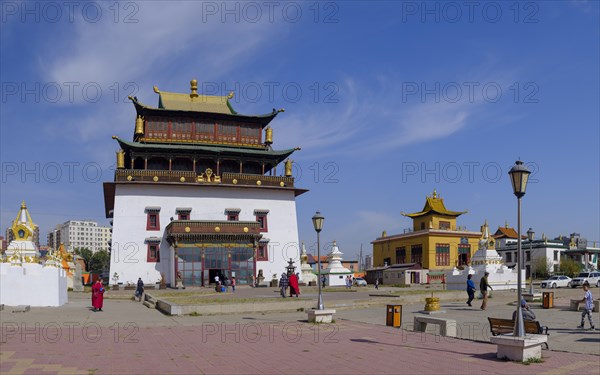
{"type": "Point", "coordinates": [98, 295]}
{"type": "Point", "coordinates": [294, 289]}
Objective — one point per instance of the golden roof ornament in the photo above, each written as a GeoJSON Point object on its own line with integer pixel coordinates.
{"type": "Point", "coordinates": [230, 95]}
{"type": "Point", "coordinates": [288, 168]}
{"type": "Point", "coordinates": [194, 88]}
{"type": "Point", "coordinates": [139, 125]}
{"type": "Point", "coordinates": [120, 159]}
{"type": "Point", "coordinates": [156, 90]}
{"type": "Point", "coordinates": [434, 196]}
{"type": "Point", "coordinates": [269, 135]}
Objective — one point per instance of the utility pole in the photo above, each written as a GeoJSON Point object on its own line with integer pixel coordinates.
{"type": "Point", "coordinates": [360, 260]}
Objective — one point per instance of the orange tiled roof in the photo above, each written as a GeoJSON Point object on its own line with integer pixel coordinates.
{"type": "Point", "coordinates": [506, 232]}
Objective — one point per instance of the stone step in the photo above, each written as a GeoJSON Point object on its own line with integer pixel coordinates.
{"type": "Point", "coordinates": [149, 305]}
{"type": "Point", "coordinates": [21, 308]}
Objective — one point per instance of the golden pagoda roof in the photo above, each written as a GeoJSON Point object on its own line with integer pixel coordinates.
{"type": "Point", "coordinates": [194, 102]}
{"type": "Point", "coordinates": [434, 204]}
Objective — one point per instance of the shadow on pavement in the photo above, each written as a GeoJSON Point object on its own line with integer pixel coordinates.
{"type": "Point", "coordinates": [486, 356]}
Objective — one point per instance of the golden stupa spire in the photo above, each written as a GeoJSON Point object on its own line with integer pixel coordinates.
{"type": "Point", "coordinates": [23, 227]}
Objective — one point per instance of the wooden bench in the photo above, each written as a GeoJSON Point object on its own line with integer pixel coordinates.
{"type": "Point", "coordinates": [447, 326]}
{"type": "Point", "coordinates": [504, 326]}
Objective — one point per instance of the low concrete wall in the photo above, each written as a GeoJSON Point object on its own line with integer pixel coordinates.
{"type": "Point", "coordinates": [170, 308]}
{"type": "Point", "coordinates": [232, 308]}
{"type": "Point", "coordinates": [32, 284]}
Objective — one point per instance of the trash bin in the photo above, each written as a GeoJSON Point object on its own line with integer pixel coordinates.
{"type": "Point", "coordinates": [548, 300]}
{"type": "Point", "coordinates": [394, 316]}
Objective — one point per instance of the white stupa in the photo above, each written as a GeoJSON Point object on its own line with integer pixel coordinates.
{"type": "Point", "coordinates": [22, 229]}
{"type": "Point", "coordinates": [23, 280]}
{"type": "Point", "coordinates": [335, 273]}
{"type": "Point", "coordinates": [486, 259]}
{"type": "Point", "coordinates": [307, 275]}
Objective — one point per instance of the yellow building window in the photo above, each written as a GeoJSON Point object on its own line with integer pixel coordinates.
{"type": "Point", "coordinates": [442, 254]}
{"type": "Point", "coordinates": [416, 254]}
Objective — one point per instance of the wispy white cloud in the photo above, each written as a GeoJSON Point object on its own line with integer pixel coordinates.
{"type": "Point", "coordinates": [374, 121]}
{"type": "Point", "coordinates": [377, 117]}
{"type": "Point", "coordinates": [165, 44]}
{"type": "Point", "coordinates": [165, 41]}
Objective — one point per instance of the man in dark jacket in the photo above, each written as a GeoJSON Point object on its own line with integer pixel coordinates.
{"type": "Point", "coordinates": [483, 286]}
{"type": "Point", "coordinates": [140, 289]}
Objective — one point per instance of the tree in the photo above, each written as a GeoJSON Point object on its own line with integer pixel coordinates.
{"type": "Point", "coordinates": [86, 254]}
{"type": "Point", "coordinates": [569, 267]}
{"type": "Point", "coordinates": [100, 261]}
{"type": "Point", "coordinates": [542, 267]}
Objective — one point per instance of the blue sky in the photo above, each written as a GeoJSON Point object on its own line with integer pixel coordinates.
{"type": "Point", "coordinates": [388, 100]}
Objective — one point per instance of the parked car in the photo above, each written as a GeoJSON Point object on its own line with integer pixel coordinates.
{"type": "Point", "coordinates": [557, 282]}
{"type": "Point", "coordinates": [359, 281]}
{"type": "Point", "coordinates": [593, 278]}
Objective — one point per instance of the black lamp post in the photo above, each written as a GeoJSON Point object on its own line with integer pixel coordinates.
{"type": "Point", "coordinates": [530, 234]}
{"type": "Point", "coordinates": [317, 220]}
{"type": "Point", "coordinates": [519, 174]}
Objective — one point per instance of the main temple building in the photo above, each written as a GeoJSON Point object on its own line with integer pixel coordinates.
{"type": "Point", "coordinates": [196, 194]}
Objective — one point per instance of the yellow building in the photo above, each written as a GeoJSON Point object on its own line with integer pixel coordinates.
{"type": "Point", "coordinates": [435, 241]}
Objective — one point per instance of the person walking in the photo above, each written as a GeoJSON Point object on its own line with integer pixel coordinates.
{"type": "Point", "coordinates": [470, 289]}
{"type": "Point", "coordinates": [588, 300]}
{"type": "Point", "coordinates": [294, 288]}
{"type": "Point", "coordinates": [377, 283]}
{"type": "Point", "coordinates": [283, 284]}
{"type": "Point", "coordinates": [232, 284]}
{"type": "Point", "coordinates": [483, 286]}
{"type": "Point", "coordinates": [323, 279]}
{"type": "Point", "coordinates": [98, 295]}
{"type": "Point", "coordinates": [139, 291]}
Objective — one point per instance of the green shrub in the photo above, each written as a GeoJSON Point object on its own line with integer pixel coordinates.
{"type": "Point", "coordinates": [569, 267]}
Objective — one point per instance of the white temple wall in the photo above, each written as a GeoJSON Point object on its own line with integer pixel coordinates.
{"type": "Point", "coordinates": [32, 284]}
{"type": "Point", "coordinates": [129, 250]}
{"type": "Point", "coordinates": [334, 279]}
{"type": "Point", "coordinates": [498, 281]}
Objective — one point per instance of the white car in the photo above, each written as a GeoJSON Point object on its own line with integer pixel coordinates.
{"type": "Point", "coordinates": [593, 278]}
{"type": "Point", "coordinates": [557, 282]}
{"type": "Point", "coordinates": [359, 281]}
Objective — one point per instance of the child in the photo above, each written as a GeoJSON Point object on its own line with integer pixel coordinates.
{"type": "Point", "coordinates": [232, 284]}
{"type": "Point", "coordinates": [589, 305]}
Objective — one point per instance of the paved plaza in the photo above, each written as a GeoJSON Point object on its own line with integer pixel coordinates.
{"type": "Point", "coordinates": [128, 338]}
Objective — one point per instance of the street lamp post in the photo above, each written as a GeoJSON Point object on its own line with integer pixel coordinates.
{"type": "Point", "coordinates": [530, 234]}
{"type": "Point", "coordinates": [519, 174]}
{"type": "Point", "coordinates": [317, 220]}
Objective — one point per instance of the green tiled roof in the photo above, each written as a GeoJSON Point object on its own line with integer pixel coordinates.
{"type": "Point", "coordinates": [206, 149]}
{"type": "Point", "coordinates": [175, 104]}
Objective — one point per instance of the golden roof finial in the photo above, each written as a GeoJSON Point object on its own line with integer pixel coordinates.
{"type": "Point", "coordinates": [194, 88]}
{"type": "Point", "coordinates": [23, 205]}
{"type": "Point", "coordinates": [156, 90]}
{"type": "Point", "coordinates": [230, 95]}
{"type": "Point", "coordinates": [434, 193]}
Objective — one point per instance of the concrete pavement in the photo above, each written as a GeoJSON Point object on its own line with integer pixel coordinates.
{"type": "Point", "coordinates": [130, 338]}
